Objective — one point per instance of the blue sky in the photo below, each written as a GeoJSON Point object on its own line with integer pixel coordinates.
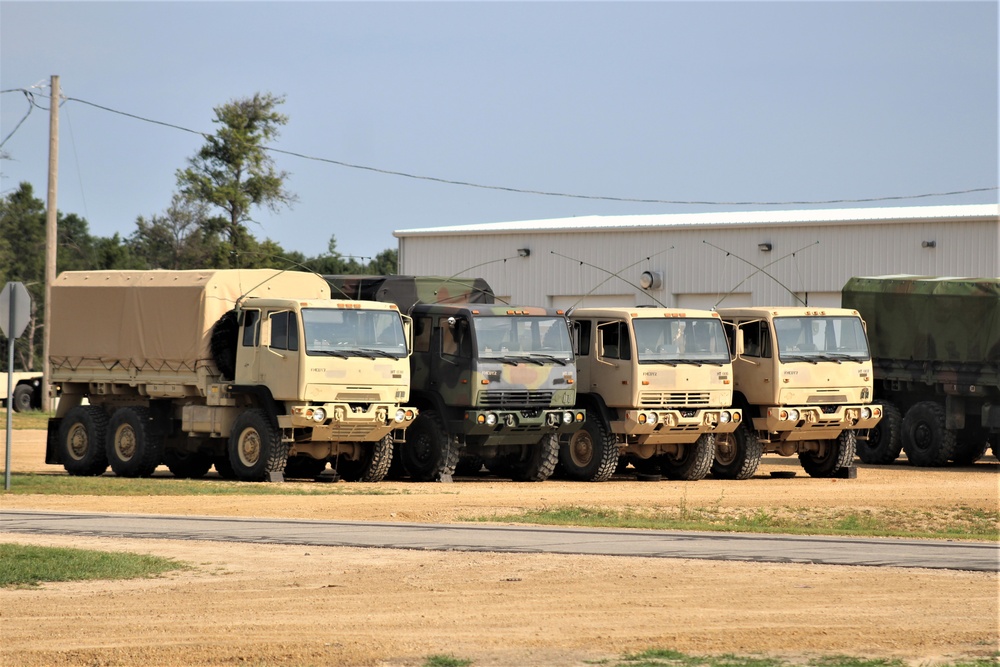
{"type": "Point", "coordinates": [672, 101]}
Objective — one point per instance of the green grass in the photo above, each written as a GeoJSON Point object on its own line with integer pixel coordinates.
{"type": "Point", "coordinates": [22, 566]}
{"type": "Point", "coordinates": [668, 658]}
{"type": "Point", "coordinates": [31, 420]}
{"type": "Point", "coordinates": [67, 485]}
{"type": "Point", "coordinates": [956, 523]}
{"type": "Point", "coordinates": [445, 661]}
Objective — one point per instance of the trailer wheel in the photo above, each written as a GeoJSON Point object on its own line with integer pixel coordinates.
{"type": "Point", "coordinates": [834, 457]}
{"type": "Point", "coordinates": [737, 454]}
{"type": "Point", "coordinates": [538, 462]}
{"type": "Point", "coordinates": [24, 398]}
{"type": "Point", "coordinates": [255, 447]}
{"type": "Point", "coordinates": [973, 441]}
{"type": "Point", "coordinates": [187, 465]}
{"type": "Point", "coordinates": [133, 448]}
{"type": "Point", "coordinates": [885, 440]}
{"type": "Point", "coordinates": [925, 439]}
{"type": "Point", "coordinates": [430, 454]}
{"type": "Point", "coordinates": [373, 466]}
{"type": "Point", "coordinates": [694, 461]}
{"type": "Point", "coordinates": [589, 454]}
{"type": "Point", "coordinates": [81, 441]}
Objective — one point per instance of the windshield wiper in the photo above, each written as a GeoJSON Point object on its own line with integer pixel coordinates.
{"type": "Point", "coordinates": [549, 357]}
{"type": "Point", "coordinates": [800, 357]}
{"type": "Point", "coordinates": [331, 353]}
{"type": "Point", "coordinates": [527, 359]}
{"type": "Point", "coordinates": [378, 353]}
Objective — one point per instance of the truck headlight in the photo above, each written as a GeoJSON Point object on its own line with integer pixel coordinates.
{"type": "Point", "coordinates": [567, 417]}
{"type": "Point", "coordinates": [491, 419]}
{"type": "Point", "coordinates": [866, 413]}
{"type": "Point", "coordinates": [724, 417]}
{"type": "Point", "coordinates": [319, 415]}
{"type": "Point", "coordinates": [653, 418]}
{"type": "Point", "coordinates": [793, 415]}
{"type": "Point", "coordinates": [400, 415]}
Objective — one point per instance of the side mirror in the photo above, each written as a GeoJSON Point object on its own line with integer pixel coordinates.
{"type": "Point", "coordinates": [739, 342]}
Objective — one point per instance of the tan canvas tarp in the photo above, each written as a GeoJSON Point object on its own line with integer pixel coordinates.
{"type": "Point", "coordinates": [155, 320]}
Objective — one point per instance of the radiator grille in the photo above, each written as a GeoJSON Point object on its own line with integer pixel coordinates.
{"type": "Point", "coordinates": [515, 399]}
{"type": "Point", "coordinates": [658, 398]}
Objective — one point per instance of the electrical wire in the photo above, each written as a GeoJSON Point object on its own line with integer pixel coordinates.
{"type": "Point", "coordinates": [545, 193]}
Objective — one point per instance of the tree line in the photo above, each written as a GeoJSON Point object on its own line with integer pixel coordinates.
{"type": "Point", "coordinates": [206, 225]}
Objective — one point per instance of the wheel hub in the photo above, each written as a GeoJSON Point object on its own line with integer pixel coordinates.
{"type": "Point", "coordinates": [125, 443]}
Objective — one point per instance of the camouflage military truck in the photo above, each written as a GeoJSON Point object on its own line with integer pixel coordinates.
{"type": "Point", "coordinates": [257, 372]}
{"type": "Point", "coordinates": [495, 384]}
{"type": "Point", "coordinates": [803, 378]}
{"type": "Point", "coordinates": [657, 387]}
{"type": "Point", "coordinates": [936, 356]}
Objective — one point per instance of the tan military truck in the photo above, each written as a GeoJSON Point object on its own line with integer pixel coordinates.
{"type": "Point", "coordinates": [657, 387]}
{"type": "Point", "coordinates": [249, 370]}
{"type": "Point", "coordinates": [803, 378]}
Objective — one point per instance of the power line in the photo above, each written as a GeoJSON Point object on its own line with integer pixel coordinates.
{"type": "Point", "coordinates": [544, 193]}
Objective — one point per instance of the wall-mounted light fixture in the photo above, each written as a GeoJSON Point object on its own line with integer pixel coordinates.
{"type": "Point", "coordinates": [928, 244]}
{"type": "Point", "coordinates": [764, 247]}
{"type": "Point", "coordinates": [523, 252]}
{"type": "Point", "coordinates": [650, 280]}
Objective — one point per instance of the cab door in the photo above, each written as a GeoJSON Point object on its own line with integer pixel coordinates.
{"type": "Point", "coordinates": [279, 355]}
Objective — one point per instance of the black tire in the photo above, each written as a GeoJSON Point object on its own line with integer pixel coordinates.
{"type": "Point", "coordinates": [373, 465]}
{"type": "Point", "coordinates": [224, 467]}
{"type": "Point", "coordinates": [255, 447]}
{"type": "Point", "coordinates": [837, 455]}
{"type": "Point", "coordinates": [187, 465]}
{"type": "Point", "coordinates": [538, 461]}
{"type": "Point", "coordinates": [304, 467]}
{"type": "Point", "coordinates": [926, 441]}
{"type": "Point", "coordinates": [133, 447]}
{"type": "Point", "coordinates": [589, 454]}
{"type": "Point", "coordinates": [693, 462]}
{"type": "Point", "coordinates": [24, 398]}
{"type": "Point", "coordinates": [885, 440]}
{"type": "Point", "coordinates": [737, 454]}
{"type": "Point", "coordinates": [429, 453]}
{"type": "Point", "coordinates": [222, 344]}
{"type": "Point", "coordinates": [82, 435]}
{"type": "Point", "coordinates": [972, 443]}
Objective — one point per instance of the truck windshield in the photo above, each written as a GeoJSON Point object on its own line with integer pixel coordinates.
{"type": "Point", "coordinates": [821, 339]}
{"type": "Point", "coordinates": [353, 333]}
{"type": "Point", "coordinates": [528, 336]}
{"type": "Point", "coordinates": [680, 341]}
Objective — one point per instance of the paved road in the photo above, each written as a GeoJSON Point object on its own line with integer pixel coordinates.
{"type": "Point", "coordinates": [936, 554]}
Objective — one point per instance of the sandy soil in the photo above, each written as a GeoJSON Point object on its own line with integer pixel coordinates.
{"type": "Point", "coordinates": [277, 605]}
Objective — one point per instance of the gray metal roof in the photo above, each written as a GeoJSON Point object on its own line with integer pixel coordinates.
{"type": "Point", "coordinates": [900, 214]}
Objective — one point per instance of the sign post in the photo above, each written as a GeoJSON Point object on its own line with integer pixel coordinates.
{"type": "Point", "coordinates": [15, 310]}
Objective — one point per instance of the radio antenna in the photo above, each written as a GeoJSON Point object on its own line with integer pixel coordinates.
{"type": "Point", "coordinates": [760, 270]}
{"type": "Point", "coordinates": [611, 275]}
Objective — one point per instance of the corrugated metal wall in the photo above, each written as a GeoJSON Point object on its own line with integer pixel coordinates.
{"type": "Point", "coordinates": [701, 265]}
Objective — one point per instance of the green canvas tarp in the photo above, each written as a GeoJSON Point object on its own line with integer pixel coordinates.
{"type": "Point", "coordinates": [928, 319]}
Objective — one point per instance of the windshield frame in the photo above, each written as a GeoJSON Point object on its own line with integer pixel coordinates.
{"type": "Point", "coordinates": [353, 332]}
{"type": "Point", "coordinates": [545, 337]}
{"type": "Point", "coordinates": [797, 343]}
{"type": "Point", "coordinates": [667, 341]}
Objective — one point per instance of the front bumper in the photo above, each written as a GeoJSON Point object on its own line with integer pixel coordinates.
{"type": "Point", "coordinates": [340, 423]}
{"type": "Point", "coordinates": [536, 422]}
{"type": "Point", "coordinates": [815, 422]}
{"type": "Point", "coordinates": [675, 425]}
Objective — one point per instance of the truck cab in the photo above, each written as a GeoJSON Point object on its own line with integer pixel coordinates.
{"type": "Point", "coordinates": [657, 387]}
{"type": "Point", "coordinates": [803, 377]}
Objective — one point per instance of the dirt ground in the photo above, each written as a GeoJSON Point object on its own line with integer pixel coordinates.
{"type": "Point", "coordinates": [244, 604]}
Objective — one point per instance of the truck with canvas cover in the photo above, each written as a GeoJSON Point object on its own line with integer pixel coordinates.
{"type": "Point", "coordinates": [495, 384]}
{"type": "Point", "coordinates": [258, 372]}
{"type": "Point", "coordinates": [657, 387]}
{"type": "Point", "coordinates": [803, 379]}
{"type": "Point", "coordinates": [936, 356]}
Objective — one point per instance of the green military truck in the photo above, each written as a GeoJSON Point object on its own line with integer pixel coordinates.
{"type": "Point", "coordinates": [803, 379]}
{"type": "Point", "coordinates": [258, 372]}
{"type": "Point", "coordinates": [936, 357]}
{"type": "Point", "coordinates": [657, 387]}
{"type": "Point", "coordinates": [494, 384]}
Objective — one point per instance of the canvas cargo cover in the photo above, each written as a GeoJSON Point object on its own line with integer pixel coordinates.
{"type": "Point", "coordinates": [407, 291]}
{"type": "Point", "coordinates": [920, 318]}
{"type": "Point", "coordinates": [155, 320]}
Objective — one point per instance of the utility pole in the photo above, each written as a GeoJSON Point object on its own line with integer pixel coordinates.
{"type": "Point", "coordinates": [51, 236]}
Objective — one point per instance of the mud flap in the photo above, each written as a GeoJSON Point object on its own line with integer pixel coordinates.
{"type": "Point", "coordinates": [52, 442]}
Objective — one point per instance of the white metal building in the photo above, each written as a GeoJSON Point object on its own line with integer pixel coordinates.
{"type": "Point", "coordinates": [702, 260]}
